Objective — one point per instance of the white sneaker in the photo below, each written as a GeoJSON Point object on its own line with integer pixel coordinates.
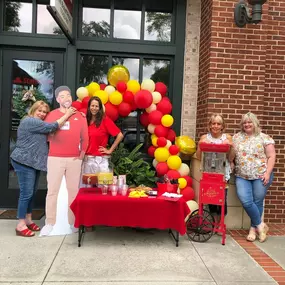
{"type": "Point", "coordinates": [46, 230]}
{"type": "Point", "coordinates": [74, 230]}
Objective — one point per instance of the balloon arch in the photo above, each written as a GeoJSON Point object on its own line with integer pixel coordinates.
{"type": "Point", "coordinates": [122, 97]}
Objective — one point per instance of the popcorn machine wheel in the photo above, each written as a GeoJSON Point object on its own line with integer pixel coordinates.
{"type": "Point", "coordinates": [201, 224]}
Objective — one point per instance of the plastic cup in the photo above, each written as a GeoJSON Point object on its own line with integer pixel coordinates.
{"type": "Point", "coordinates": [104, 189]}
{"type": "Point", "coordinates": [114, 189]}
{"type": "Point", "coordinates": [124, 189]}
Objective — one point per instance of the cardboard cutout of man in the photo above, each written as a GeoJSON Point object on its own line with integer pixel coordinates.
{"type": "Point", "coordinates": [67, 148]}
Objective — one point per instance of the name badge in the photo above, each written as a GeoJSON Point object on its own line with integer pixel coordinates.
{"type": "Point", "coordinates": [66, 126]}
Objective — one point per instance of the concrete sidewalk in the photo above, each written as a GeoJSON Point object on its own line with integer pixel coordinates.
{"type": "Point", "coordinates": [120, 256]}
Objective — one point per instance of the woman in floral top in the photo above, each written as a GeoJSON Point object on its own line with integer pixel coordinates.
{"type": "Point", "coordinates": [253, 157]}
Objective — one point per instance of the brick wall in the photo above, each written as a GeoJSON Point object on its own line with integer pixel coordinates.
{"type": "Point", "coordinates": [191, 68]}
{"type": "Point", "coordinates": [243, 70]}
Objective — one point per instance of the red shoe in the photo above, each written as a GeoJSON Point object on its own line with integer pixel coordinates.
{"type": "Point", "coordinates": [33, 227]}
{"type": "Point", "coordinates": [24, 233]}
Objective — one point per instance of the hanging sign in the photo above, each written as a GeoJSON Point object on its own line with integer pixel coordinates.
{"type": "Point", "coordinates": [61, 11]}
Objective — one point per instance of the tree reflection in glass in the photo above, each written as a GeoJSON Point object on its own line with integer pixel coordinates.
{"type": "Point", "coordinates": [158, 26]}
{"type": "Point", "coordinates": [157, 70]}
{"type": "Point", "coordinates": [18, 16]}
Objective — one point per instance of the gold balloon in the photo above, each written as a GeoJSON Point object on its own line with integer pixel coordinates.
{"type": "Point", "coordinates": [186, 144]}
{"type": "Point", "coordinates": [118, 73]}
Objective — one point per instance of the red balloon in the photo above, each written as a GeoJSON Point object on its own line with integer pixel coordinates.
{"type": "Point", "coordinates": [161, 142]}
{"type": "Point", "coordinates": [128, 97]}
{"type": "Point", "coordinates": [111, 111]}
{"type": "Point", "coordinates": [171, 135]}
{"type": "Point", "coordinates": [189, 180]}
{"type": "Point", "coordinates": [161, 131]}
{"type": "Point", "coordinates": [188, 193]}
{"type": "Point", "coordinates": [161, 168]}
{"type": "Point", "coordinates": [155, 117]}
{"type": "Point", "coordinates": [85, 102]}
{"type": "Point", "coordinates": [102, 86]}
{"type": "Point", "coordinates": [77, 105]}
{"type": "Point", "coordinates": [173, 174]}
{"type": "Point", "coordinates": [174, 149]}
{"type": "Point", "coordinates": [144, 119]}
{"type": "Point", "coordinates": [134, 106]}
{"type": "Point", "coordinates": [143, 99]}
{"type": "Point", "coordinates": [161, 88]}
{"type": "Point", "coordinates": [83, 110]}
{"type": "Point", "coordinates": [124, 109]}
{"type": "Point", "coordinates": [151, 150]}
{"type": "Point", "coordinates": [121, 86]}
{"type": "Point", "coordinates": [164, 106]}
{"type": "Point", "coordinates": [166, 99]}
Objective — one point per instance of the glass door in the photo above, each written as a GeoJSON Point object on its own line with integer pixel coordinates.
{"type": "Point", "coordinates": [27, 76]}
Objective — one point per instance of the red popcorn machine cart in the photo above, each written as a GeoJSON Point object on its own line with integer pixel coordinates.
{"type": "Point", "coordinates": [201, 224]}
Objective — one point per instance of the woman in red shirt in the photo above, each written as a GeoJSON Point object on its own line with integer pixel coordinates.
{"type": "Point", "coordinates": [100, 127]}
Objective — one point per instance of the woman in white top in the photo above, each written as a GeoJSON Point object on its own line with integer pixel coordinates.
{"type": "Point", "coordinates": [216, 135]}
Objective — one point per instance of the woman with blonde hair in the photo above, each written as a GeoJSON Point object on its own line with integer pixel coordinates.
{"type": "Point", "coordinates": [253, 157]}
{"type": "Point", "coordinates": [29, 158]}
{"type": "Point", "coordinates": [216, 135]}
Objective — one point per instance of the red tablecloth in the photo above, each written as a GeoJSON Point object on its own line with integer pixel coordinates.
{"type": "Point", "coordinates": [91, 208]}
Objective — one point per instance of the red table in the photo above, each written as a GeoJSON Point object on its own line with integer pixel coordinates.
{"type": "Point", "coordinates": [91, 208]}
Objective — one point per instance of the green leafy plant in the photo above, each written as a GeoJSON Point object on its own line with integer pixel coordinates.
{"type": "Point", "coordinates": [132, 165]}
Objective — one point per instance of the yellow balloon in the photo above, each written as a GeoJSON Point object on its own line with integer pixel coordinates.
{"type": "Point", "coordinates": [184, 169]}
{"type": "Point", "coordinates": [103, 95]}
{"type": "Point", "coordinates": [167, 121]}
{"type": "Point", "coordinates": [92, 88]}
{"type": "Point", "coordinates": [116, 98]}
{"type": "Point", "coordinates": [153, 136]}
{"type": "Point", "coordinates": [186, 144]}
{"type": "Point", "coordinates": [118, 73]}
{"type": "Point", "coordinates": [193, 206]}
{"type": "Point", "coordinates": [148, 84]}
{"type": "Point", "coordinates": [161, 154]}
{"type": "Point", "coordinates": [110, 89]}
{"type": "Point", "coordinates": [156, 97]}
{"type": "Point", "coordinates": [151, 128]}
{"type": "Point", "coordinates": [182, 183]}
{"type": "Point", "coordinates": [82, 92]}
{"type": "Point", "coordinates": [133, 86]}
{"type": "Point", "coordinates": [174, 162]}
{"type": "Point", "coordinates": [154, 141]}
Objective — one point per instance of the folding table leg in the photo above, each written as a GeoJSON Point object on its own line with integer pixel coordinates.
{"type": "Point", "coordinates": [175, 236]}
{"type": "Point", "coordinates": [81, 232]}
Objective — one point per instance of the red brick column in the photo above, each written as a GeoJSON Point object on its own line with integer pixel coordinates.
{"type": "Point", "coordinates": [241, 70]}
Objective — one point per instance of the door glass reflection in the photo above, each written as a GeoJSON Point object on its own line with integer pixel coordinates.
{"type": "Point", "coordinates": [93, 68]}
{"type": "Point", "coordinates": [31, 80]}
{"type": "Point", "coordinates": [18, 16]}
{"type": "Point", "coordinates": [157, 70]}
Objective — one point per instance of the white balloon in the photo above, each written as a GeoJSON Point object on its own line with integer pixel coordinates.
{"type": "Point", "coordinates": [110, 89]}
{"type": "Point", "coordinates": [193, 206]}
{"type": "Point", "coordinates": [151, 128]}
{"type": "Point", "coordinates": [148, 84]}
{"type": "Point", "coordinates": [156, 97]}
{"type": "Point", "coordinates": [184, 169]}
{"type": "Point", "coordinates": [168, 144]}
{"type": "Point", "coordinates": [154, 163]}
{"type": "Point", "coordinates": [151, 108]}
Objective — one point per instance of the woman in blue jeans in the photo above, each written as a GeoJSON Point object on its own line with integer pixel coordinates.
{"type": "Point", "coordinates": [253, 157]}
{"type": "Point", "coordinates": [29, 158]}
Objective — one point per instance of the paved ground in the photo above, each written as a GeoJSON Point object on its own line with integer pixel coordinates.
{"type": "Point", "coordinates": [120, 256]}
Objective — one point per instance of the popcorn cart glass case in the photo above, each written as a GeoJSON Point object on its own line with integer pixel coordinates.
{"type": "Point", "coordinates": [201, 224]}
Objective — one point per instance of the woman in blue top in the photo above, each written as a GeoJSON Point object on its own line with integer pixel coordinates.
{"type": "Point", "coordinates": [29, 158]}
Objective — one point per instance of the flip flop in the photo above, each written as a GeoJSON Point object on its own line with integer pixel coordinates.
{"type": "Point", "coordinates": [24, 233]}
{"type": "Point", "coordinates": [263, 234]}
{"type": "Point", "coordinates": [33, 227]}
{"type": "Point", "coordinates": [251, 236]}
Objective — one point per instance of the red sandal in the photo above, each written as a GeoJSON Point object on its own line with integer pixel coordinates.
{"type": "Point", "coordinates": [33, 227]}
{"type": "Point", "coordinates": [25, 233]}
